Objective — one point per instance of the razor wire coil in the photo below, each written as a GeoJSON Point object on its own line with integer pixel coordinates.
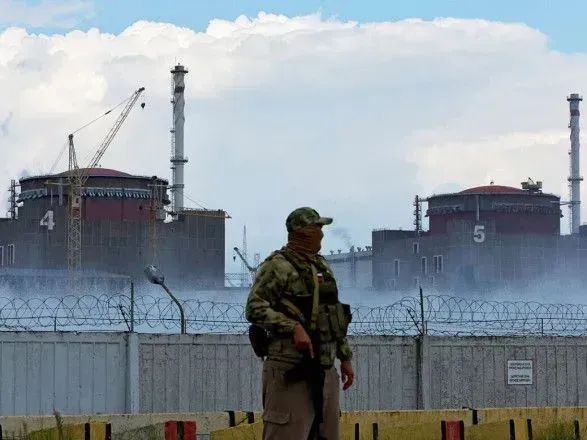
{"type": "Point", "coordinates": [443, 315]}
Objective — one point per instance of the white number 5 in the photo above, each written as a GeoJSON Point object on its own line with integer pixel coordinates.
{"type": "Point", "coordinates": [479, 234]}
{"type": "Point", "coordinates": [47, 220]}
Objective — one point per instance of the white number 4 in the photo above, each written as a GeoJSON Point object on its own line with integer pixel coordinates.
{"type": "Point", "coordinates": [47, 220]}
{"type": "Point", "coordinates": [479, 234]}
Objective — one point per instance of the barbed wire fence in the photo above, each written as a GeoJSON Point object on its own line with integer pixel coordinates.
{"type": "Point", "coordinates": [432, 315]}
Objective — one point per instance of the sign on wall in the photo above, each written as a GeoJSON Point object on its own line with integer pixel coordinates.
{"type": "Point", "coordinates": [479, 233]}
{"type": "Point", "coordinates": [48, 220]}
{"type": "Point", "coordinates": [520, 372]}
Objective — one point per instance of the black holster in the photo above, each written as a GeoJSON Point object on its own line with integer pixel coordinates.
{"type": "Point", "coordinates": [259, 339]}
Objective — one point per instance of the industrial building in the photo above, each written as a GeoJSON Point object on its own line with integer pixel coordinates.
{"type": "Point", "coordinates": [481, 239]}
{"type": "Point", "coordinates": [485, 238]}
{"type": "Point", "coordinates": [353, 268]}
{"type": "Point", "coordinates": [101, 226]}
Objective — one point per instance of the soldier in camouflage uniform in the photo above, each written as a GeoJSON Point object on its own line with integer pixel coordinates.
{"type": "Point", "coordinates": [294, 300]}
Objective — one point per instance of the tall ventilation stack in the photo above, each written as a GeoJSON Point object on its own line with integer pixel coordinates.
{"type": "Point", "coordinates": [575, 177]}
{"type": "Point", "coordinates": [177, 158]}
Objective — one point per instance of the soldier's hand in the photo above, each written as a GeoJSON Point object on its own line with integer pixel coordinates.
{"type": "Point", "coordinates": [347, 374]}
{"type": "Point", "coordinates": [302, 340]}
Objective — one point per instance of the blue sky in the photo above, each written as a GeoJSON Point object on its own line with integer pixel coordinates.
{"type": "Point", "coordinates": [562, 20]}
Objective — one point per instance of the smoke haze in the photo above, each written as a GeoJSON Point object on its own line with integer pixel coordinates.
{"type": "Point", "coordinates": [343, 234]}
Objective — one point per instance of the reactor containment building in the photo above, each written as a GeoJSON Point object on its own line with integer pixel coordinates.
{"type": "Point", "coordinates": [121, 223]}
{"type": "Point", "coordinates": [482, 239]}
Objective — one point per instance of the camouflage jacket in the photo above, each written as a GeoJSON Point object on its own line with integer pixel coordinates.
{"type": "Point", "coordinates": [278, 279]}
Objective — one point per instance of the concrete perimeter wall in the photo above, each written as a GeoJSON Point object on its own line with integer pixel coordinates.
{"type": "Point", "coordinates": [114, 373]}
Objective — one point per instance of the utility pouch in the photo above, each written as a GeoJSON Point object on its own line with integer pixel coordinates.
{"type": "Point", "coordinates": [325, 327]}
{"type": "Point", "coordinates": [259, 339]}
{"type": "Point", "coordinates": [343, 319]}
{"type": "Point", "coordinates": [339, 317]}
{"type": "Point", "coordinates": [348, 316]}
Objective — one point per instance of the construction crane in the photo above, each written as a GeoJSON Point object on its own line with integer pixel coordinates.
{"type": "Point", "coordinates": [77, 177]}
{"type": "Point", "coordinates": [252, 270]}
{"type": "Point", "coordinates": [245, 277]}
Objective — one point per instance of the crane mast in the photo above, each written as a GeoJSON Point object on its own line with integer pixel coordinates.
{"type": "Point", "coordinates": [74, 228]}
{"type": "Point", "coordinates": [77, 177]}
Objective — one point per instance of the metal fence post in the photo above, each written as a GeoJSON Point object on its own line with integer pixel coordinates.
{"type": "Point", "coordinates": [422, 320]}
{"type": "Point", "coordinates": [132, 306]}
{"type": "Point", "coordinates": [132, 373]}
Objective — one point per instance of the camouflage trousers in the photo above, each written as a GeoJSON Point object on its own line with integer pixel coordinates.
{"type": "Point", "coordinates": [288, 411]}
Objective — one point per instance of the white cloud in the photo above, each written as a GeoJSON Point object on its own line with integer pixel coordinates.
{"type": "Point", "coordinates": [282, 112]}
{"type": "Point", "coordinates": [47, 13]}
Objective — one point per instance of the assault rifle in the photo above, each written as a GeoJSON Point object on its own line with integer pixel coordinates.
{"type": "Point", "coordinates": [310, 370]}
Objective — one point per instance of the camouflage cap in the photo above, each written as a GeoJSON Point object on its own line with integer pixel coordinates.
{"type": "Point", "coordinates": [302, 217]}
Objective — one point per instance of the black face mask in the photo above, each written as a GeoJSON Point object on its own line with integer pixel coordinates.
{"type": "Point", "coordinates": [306, 240]}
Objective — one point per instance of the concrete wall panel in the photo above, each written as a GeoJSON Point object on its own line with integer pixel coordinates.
{"type": "Point", "coordinates": [473, 371]}
{"type": "Point", "coordinates": [75, 373]}
{"type": "Point", "coordinates": [89, 373]}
